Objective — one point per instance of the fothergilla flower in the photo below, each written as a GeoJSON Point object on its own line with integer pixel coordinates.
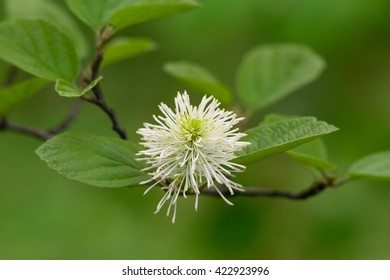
{"type": "Point", "coordinates": [190, 148]}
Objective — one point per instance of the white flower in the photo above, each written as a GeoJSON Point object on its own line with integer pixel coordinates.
{"type": "Point", "coordinates": [191, 148]}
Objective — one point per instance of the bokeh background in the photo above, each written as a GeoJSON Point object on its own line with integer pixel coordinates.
{"type": "Point", "coordinates": [45, 216]}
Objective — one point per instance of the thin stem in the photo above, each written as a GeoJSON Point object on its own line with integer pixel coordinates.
{"type": "Point", "coordinates": [111, 114]}
{"type": "Point", "coordinates": [341, 181]}
{"type": "Point", "coordinates": [69, 118]}
{"type": "Point", "coordinates": [32, 131]}
{"type": "Point", "coordinates": [99, 99]}
{"type": "Point", "coordinates": [38, 132]}
{"type": "Point", "coordinates": [313, 190]}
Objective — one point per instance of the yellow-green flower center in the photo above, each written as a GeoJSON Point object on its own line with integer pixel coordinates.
{"type": "Point", "coordinates": [191, 128]}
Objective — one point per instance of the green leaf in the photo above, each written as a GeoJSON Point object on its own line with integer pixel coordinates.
{"type": "Point", "coordinates": [94, 160]}
{"type": "Point", "coordinates": [39, 48]}
{"type": "Point", "coordinates": [140, 11]}
{"type": "Point", "coordinates": [50, 12]}
{"type": "Point", "coordinates": [124, 13]}
{"type": "Point", "coordinates": [313, 154]}
{"type": "Point", "coordinates": [374, 166]}
{"type": "Point", "coordinates": [123, 48]}
{"type": "Point", "coordinates": [270, 73]}
{"type": "Point", "coordinates": [14, 95]}
{"type": "Point", "coordinates": [199, 78]}
{"type": "Point", "coordinates": [66, 89]}
{"type": "Point", "coordinates": [277, 137]}
{"type": "Point", "coordinates": [94, 13]}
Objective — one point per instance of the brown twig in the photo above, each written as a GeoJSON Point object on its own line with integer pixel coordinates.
{"type": "Point", "coordinates": [38, 132]}
{"type": "Point", "coordinates": [32, 131]}
{"type": "Point", "coordinates": [313, 190]}
{"type": "Point", "coordinates": [98, 98]}
{"type": "Point", "coordinates": [111, 114]}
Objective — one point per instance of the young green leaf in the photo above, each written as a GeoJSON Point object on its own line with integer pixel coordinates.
{"type": "Point", "coordinates": [50, 12]}
{"type": "Point", "coordinates": [39, 48]}
{"type": "Point", "coordinates": [277, 137]}
{"type": "Point", "coordinates": [66, 89]}
{"type": "Point", "coordinates": [140, 11]}
{"type": "Point", "coordinates": [270, 73]}
{"type": "Point", "coordinates": [94, 13]}
{"type": "Point", "coordinates": [123, 48]}
{"type": "Point", "coordinates": [374, 166]}
{"type": "Point", "coordinates": [199, 78]}
{"type": "Point", "coordinates": [94, 160]}
{"type": "Point", "coordinates": [313, 154]}
{"type": "Point", "coordinates": [14, 95]}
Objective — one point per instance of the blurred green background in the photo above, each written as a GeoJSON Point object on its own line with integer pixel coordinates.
{"type": "Point", "coordinates": [45, 216]}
